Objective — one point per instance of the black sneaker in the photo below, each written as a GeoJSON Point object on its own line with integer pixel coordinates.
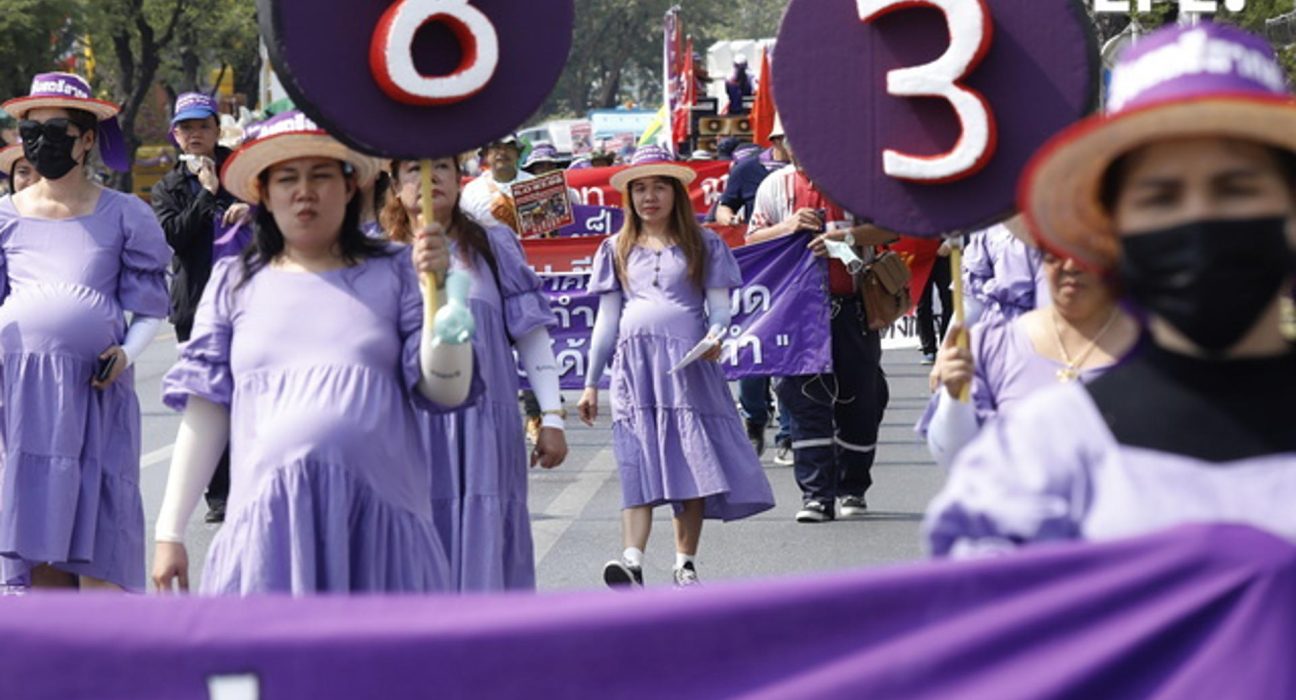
{"type": "Point", "coordinates": [814, 512]}
{"type": "Point", "coordinates": [617, 574]}
{"type": "Point", "coordinates": [783, 455]}
{"type": "Point", "coordinates": [686, 576]}
{"type": "Point", "coordinates": [756, 433]}
{"type": "Point", "coordinates": [215, 512]}
{"type": "Point", "coordinates": [852, 507]}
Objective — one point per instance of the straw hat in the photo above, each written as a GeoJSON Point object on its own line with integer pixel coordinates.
{"type": "Point", "coordinates": [1206, 80]}
{"type": "Point", "coordinates": [9, 155]}
{"type": "Point", "coordinates": [284, 137]}
{"type": "Point", "coordinates": [652, 161]}
{"type": "Point", "coordinates": [63, 91]}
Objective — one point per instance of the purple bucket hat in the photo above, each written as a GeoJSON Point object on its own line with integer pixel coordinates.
{"type": "Point", "coordinates": [68, 91]}
{"type": "Point", "coordinates": [652, 161]}
{"type": "Point", "coordinates": [194, 105]}
{"type": "Point", "coordinates": [544, 153]}
{"type": "Point", "coordinates": [1208, 80]}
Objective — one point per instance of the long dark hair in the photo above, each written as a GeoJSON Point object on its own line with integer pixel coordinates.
{"type": "Point", "coordinates": [684, 229]}
{"type": "Point", "coordinates": [466, 233]}
{"type": "Point", "coordinates": [268, 241]}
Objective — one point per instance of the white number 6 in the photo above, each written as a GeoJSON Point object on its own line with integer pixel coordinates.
{"type": "Point", "coordinates": [391, 52]}
{"type": "Point", "coordinates": [970, 30]}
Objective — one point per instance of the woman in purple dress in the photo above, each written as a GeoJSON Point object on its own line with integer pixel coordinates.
{"type": "Point", "coordinates": [309, 354]}
{"type": "Point", "coordinates": [76, 259]}
{"type": "Point", "coordinates": [479, 456]}
{"type": "Point", "coordinates": [664, 286]}
{"type": "Point", "coordinates": [1185, 191]}
{"type": "Point", "coordinates": [1076, 338]}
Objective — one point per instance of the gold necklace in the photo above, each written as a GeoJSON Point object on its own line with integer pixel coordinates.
{"type": "Point", "coordinates": [1072, 370]}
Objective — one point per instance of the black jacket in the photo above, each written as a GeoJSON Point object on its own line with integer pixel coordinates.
{"type": "Point", "coordinates": [188, 219]}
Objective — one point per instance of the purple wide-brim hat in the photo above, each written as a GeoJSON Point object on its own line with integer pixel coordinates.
{"type": "Point", "coordinates": [284, 137]}
{"type": "Point", "coordinates": [543, 153]}
{"type": "Point", "coordinates": [1208, 80]}
{"type": "Point", "coordinates": [652, 161]}
{"type": "Point", "coordinates": [61, 91]}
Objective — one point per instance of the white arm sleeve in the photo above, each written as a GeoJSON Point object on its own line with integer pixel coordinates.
{"type": "Point", "coordinates": [447, 369]}
{"type": "Point", "coordinates": [718, 311]}
{"type": "Point", "coordinates": [203, 435]}
{"type": "Point", "coordinates": [536, 352]}
{"type": "Point", "coordinates": [953, 426]}
{"type": "Point", "coordinates": [142, 331]}
{"type": "Point", "coordinates": [603, 340]}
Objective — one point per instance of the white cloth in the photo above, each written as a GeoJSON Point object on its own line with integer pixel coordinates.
{"type": "Point", "coordinates": [603, 338]}
{"type": "Point", "coordinates": [478, 196]}
{"type": "Point", "coordinates": [535, 349]}
{"type": "Point", "coordinates": [142, 331]}
{"type": "Point", "coordinates": [204, 432]}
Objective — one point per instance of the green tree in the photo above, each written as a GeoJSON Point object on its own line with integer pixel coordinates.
{"type": "Point", "coordinates": [34, 34]}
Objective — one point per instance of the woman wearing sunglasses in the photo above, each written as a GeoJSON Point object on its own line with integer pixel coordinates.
{"type": "Point", "coordinates": [76, 260]}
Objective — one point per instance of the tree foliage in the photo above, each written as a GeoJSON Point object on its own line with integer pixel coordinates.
{"type": "Point", "coordinates": [34, 35]}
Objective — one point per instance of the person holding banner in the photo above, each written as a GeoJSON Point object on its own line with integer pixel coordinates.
{"type": "Point", "coordinates": [1077, 338]}
{"type": "Point", "coordinates": [75, 260]}
{"type": "Point", "coordinates": [835, 417]}
{"type": "Point", "coordinates": [14, 165]}
{"type": "Point", "coordinates": [489, 197]}
{"type": "Point", "coordinates": [479, 475]}
{"type": "Point", "coordinates": [308, 356]}
{"type": "Point", "coordinates": [664, 286]}
{"type": "Point", "coordinates": [1185, 192]}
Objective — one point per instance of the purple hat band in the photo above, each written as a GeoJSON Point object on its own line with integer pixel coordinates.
{"type": "Point", "coordinates": [650, 155]}
{"type": "Point", "coordinates": [290, 122]}
{"type": "Point", "coordinates": [59, 85]}
{"type": "Point", "coordinates": [1197, 61]}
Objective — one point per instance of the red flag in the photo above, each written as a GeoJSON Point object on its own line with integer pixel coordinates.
{"type": "Point", "coordinates": [762, 116]}
{"type": "Point", "coordinates": [680, 125]}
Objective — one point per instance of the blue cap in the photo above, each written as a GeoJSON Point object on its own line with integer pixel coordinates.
{"type": "Point", "coordinates": [194, 105]}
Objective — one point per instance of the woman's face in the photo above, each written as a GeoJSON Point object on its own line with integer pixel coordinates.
{"type": "Point", "coordinates": [84, 140]}
{"type": "Point", "coordinates": [653, 199]}
{"type": "Point", "coordinates": [24, 175]}
{"type": "Point", "coordinates": [308, 199]}
{"type": "Point", "coordinates": [1076, 292]}
{"type": "Point", "coordinates": [1175, 182]}
{"type": "Point", "coordinates": [445, 187]}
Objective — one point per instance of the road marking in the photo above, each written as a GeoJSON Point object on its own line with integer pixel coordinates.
{"type": "Point", "coordinates": [568, 505]}
{"type": "Point", "coordinates": [158, 456]}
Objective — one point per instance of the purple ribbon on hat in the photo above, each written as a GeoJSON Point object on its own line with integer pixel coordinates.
{"type": "Point", "coordinates": [1208, 59]}
{"type": "Point", "coordinates": [290, 122]}
{"type": "Point", "coordinates": [650, 155]}
{"type": "Point", "coordinates": [112, 144]}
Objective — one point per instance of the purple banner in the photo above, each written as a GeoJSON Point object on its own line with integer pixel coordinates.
{"type": "Point", "coordinates": [780, 321]}
{"type": "Point", "coordinates": [593, 221]}
{"type": "Point", "coordinates": [1201, 611]}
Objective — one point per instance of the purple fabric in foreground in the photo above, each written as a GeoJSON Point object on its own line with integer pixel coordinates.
{"type": "Point", "coordinates": [1200, 611]}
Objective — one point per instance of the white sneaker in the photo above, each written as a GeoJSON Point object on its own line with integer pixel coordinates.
{"type": "Point", "coordinates": [783, 455]}
{"type": "Point", "coordinates": [852, 507]}
{"type": "Point", "coordinates": [813, 512]}
{"type": "Point", "coordinates": [686, 576]}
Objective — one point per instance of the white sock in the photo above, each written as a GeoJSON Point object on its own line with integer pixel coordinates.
{"type": "Point", "coordinates": [633, 556]}
{"type": "Point", "coordinates": [681, 559]}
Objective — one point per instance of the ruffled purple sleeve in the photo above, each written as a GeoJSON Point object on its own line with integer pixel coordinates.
{"type": "Point", "coordinates": [722, 270]}
{"type": "Point", "coordinates": [145, 255]}
{"type": "Point", "coordinates": [526, 307]}
{"type": "Point", "coordinates": [411, 335]}
{"type": "Point", "coordinates": [203, 369]}
{"type": "Point", "coordinates": [603, 277]}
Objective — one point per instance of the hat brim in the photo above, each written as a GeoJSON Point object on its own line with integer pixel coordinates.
{"type": "Point", "coordinates": [241, 170]}
{"type": "Point", "coordinates": [9, 156]}
{"type": "Point", "coordinates": [192, 114]}
{"type": "Point", "coordinates": [1060, 190]}
{"type": "Point", "coordinates": [622, 180]}
{"type": "Point", "coordinates": [18, 107]}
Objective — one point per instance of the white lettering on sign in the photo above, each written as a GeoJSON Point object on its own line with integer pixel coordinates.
{"type": "Point", "coordinates": [391, 55]}
{"type": "Point", "coordinates": [970, 31]}
{"type": "Point", "coordinates": [1193, 53]}
{"type": "Point", "coordinates": [239, 687]}
{"type": "Point", "coordinates": [1185, 6]}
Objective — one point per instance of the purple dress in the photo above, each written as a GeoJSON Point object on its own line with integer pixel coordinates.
{"type": "Point", "coordinates": [328, 476]}
{"type": "Point", "coordinates": [1008, 371]}
{"type": "Point", "coordinates": [69, 480]}
{"type": "Point", "coordinates": [1053, 470]}
{"type": "Point", "coordinates": [676, 436]}
{"type": "Point", "coordinates": [480, 460]}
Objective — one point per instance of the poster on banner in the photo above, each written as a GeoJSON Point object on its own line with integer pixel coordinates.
{"type": "Point", "coordinates": [582, 138]}
{"type": "Point", "coordinates": [543, 205]}
{"type": "Point", "coordinates": [779, 323]}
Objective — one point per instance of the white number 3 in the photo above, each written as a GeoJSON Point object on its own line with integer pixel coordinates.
{"type": "Point", "coordinates": [970, 30]}
{"type": "Point", "coordinates": [391, 52]}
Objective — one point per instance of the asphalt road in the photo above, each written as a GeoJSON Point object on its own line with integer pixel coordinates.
{"type": "Point", "coordinates": [575, 508]}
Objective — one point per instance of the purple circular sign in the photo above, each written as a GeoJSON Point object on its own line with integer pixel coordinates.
{"type": "Point", "coordinates": [1034, 67]}
{"type": "Point", "coordinates": [500, 58]}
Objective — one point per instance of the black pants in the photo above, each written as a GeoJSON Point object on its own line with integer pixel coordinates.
{"type": "Point", "coordinates": [835, 417]}
{"type": "Point", "coordinates": [218, 487]}
{"type": "Point", "coordinates": [929, 333]}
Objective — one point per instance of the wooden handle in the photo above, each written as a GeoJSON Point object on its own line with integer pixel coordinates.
{"type": "Point", "coordinates": [956, 272]}
{"type": "Point", "coordinates": [432, 281]}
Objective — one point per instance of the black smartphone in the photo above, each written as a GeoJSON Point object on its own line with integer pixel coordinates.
{"type": "Point", "coordinates": [823, 219]}
{"type": "Point", "coordinates": [105, 368]}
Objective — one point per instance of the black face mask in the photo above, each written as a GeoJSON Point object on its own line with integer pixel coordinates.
{"type": "Point", "coordinates": [1211, 280]}
{"type": "Point", "coordinates": [48, 146]}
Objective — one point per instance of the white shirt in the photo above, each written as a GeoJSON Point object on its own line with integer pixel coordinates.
{"type": "Point", "coordinates": [478, 197]}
